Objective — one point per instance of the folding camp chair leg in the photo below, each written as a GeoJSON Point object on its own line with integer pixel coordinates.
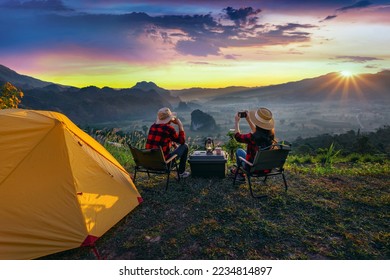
{"type": "Point", "coordinates": [135, 175]}
{"type": "Point", "coordinates": [177, 170]}
{"type": "Point", "coordinates": [265, 178]}
{"type": "Point", "coordinates": [235, 176]}
{"type": "Point", "coordinates": [148, 173]}
{"type": "Point", "coordinates": [168, 175]}
{"type": "Point", "coordinates": [250, 189]}
{"type": "Point", "coordinates": [250, 186]}
{"type": "Point", "coordinates": [285, 182]}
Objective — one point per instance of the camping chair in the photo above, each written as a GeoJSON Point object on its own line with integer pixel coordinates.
{"type": "Point", "coordinates": [268, 162]}
{"type": "Point", "coordinates": [153, 161]}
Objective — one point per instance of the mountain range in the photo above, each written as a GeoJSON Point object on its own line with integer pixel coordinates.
{"type": "Point", "coordinates": [92, 104]}
{"type": "Point", "coordinates": [329, 87]}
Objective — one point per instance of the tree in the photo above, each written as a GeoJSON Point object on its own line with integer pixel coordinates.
{"type": "Point", "coordinates": [363, 145]}
{"type": "Point", "coordinates": [10, 96]}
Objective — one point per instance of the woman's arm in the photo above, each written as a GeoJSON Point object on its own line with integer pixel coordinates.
{"type": "Point", "coordinates": [178, 137]}
{"type": "Point", "coordinates": [236, 125]}
{"type": "Point", "coordinates": [251, 125]}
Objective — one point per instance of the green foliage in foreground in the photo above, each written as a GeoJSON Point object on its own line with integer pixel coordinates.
{"type": "Point", "coordinates": [352, 165]}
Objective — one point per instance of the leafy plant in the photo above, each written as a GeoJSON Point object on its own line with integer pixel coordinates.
{"type": "Point", "coordinates": [10, 96]}
{"type": "Point", "coordinates": [136, 139]}
{"type": "Point", "coordinates": [329, 156]}
{"type": "Point", "coordinates": [232, 145]}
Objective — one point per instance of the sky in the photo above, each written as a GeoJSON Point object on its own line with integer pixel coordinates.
{"type": "Point", "coordinates": [197, 43]}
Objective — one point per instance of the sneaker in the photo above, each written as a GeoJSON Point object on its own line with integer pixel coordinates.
{"type": "Point", "coordinates": [233, 170]}
{"type": "Point", "coordinates": [185, 174]}
{"type": "Point", "coordinates": [240, 177]}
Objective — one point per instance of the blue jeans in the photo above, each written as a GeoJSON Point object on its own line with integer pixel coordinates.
{"type": "Point", "coordinates": [182, 153]}
{"type": "Point", "coordinates": [240, 153]}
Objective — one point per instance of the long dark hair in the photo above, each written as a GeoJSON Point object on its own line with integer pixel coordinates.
{"type": "Point", "coordinates": [263, 137]}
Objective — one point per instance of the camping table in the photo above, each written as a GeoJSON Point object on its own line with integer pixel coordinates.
{"type": "Point", "coordinates": [208, 165]}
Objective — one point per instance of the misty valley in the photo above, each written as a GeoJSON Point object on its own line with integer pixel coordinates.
{"type": "Point", "coordinates": [292, 120]}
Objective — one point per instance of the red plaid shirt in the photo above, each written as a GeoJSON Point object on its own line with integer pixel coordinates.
{"type": "Point", "coordinates": [251, 149]}
{"type": "Point", "coordinates": [162, 135]}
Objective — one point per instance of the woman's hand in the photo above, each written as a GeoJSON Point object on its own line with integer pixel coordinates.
{"type": "Point", "coordinates": [247, 116]}
{"type": "Point", "coordinates": [175, 121]}
{"type": "Point", "coordinates": [236, 118]}
{"type": "Point", "coordinates": [236, 125]}
{"type": "Point", "coordinates": [179, 123]}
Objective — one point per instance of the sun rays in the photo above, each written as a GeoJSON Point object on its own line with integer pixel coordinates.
{"type": "Point", "coordinates": [346, 86]}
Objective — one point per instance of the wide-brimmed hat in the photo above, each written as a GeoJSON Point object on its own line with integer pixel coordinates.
{"type": "Point", "coordinates": [262, 118]}
{"type": "Point", "coordinates": [164, 115]}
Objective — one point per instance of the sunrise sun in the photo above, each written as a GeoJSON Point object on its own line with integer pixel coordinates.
{"type": "Point", "coordinates": [346, 74]}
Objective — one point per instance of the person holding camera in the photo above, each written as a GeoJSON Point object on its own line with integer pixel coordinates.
{"type": "Point", "coordinates": [163, 134]}
{"type": "Point", "coordinates": [262, 134]}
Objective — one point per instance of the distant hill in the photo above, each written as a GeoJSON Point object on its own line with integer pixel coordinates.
{"type": "Point", "coordinates": [20, 81]}
{"type": "Point", "coordinates": [146, 86]}
{"type": "Point", "coordinates": [201, 121]}
{"type": "Point", "coordinates": [165, 94]}
{"type": "Point", "coordinates": [330, 87]}
{"type": "Point", "coordinates": [89, 104]}
{"type": "Point", "coordinates": [203, 94]}
{"type": "Point", "coordinates": [92, 105]}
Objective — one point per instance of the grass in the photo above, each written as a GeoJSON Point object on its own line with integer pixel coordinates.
{"type": "Point", "coordinates": [339, 213]}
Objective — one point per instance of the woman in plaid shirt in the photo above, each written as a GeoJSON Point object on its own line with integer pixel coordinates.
{"type": "Point", "coordinates": [162, 134]}
{"type": "Point", "coordinates": [262, 133]}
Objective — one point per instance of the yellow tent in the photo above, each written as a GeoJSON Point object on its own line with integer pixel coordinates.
{"type": "Point", "coordinates": [59, 188]}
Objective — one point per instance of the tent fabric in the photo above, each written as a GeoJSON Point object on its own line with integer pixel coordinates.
{"type": "Point", "coordinates": [59, 188]}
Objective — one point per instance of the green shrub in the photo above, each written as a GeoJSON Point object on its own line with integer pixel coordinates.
{"type": "Point", "coordinates": [232, 145]}
{"type": "Point", "coordinates": [329, 155]}
{"type": "Point", "coordinates": [10, 96]}
{"type": "Point", "coordinates": [354, 157]}
{"type": "Point", "coordinates": [300, 159]}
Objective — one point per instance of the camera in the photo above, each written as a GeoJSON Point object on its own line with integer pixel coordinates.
{"type": "Point", "coordinates": [242, 114]}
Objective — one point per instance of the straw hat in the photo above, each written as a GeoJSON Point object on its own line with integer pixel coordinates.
{"type": "Point", "coordinates": [164, 115]}
{"type": "Point", "coordinates": [262, 118]}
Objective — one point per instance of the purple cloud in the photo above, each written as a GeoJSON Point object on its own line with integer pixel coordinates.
{"type": "Point", "coordinates": [198, 47]}
{"type": "Point", "coordinates": [47, 5]}
{"type": "Point", "coordinates": [242, 16]}
{"type": "Point", "coordinates": [289, 32]}
{"type": "Point", "coordinates": [232, 56]}
{"type": "Point", "coordinates": [372, 66]}
{"type": "Point", "coordinates": [357, 5]}
{"type": "Point", "coordinates": [356, 59]}
{"type": "Point", "coordinates": [199, 63]}
{"type": "Point", "coordinates": [210, 36]}
{"type": "Point", "coordinates": [329, 17]}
